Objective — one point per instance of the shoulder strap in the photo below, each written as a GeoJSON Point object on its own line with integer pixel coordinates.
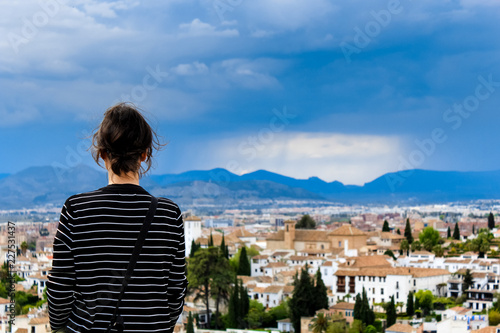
{"type": "Point", "coordinates": [135, 255]}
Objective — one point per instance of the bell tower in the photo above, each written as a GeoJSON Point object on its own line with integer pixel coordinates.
{"type": "Point", "coordinates": [290, 234]}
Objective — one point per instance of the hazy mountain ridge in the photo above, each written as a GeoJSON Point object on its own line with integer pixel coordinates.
{"type": "Point", "coordinates": [38, 186]}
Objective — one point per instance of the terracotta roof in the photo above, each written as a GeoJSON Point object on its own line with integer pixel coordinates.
{"type": "Point", "coordinates": [288, 289]}
{"type": "Point", "coordinates": [4, 300]}
{"type": "Point", "coordinates": [22, 330]}
{"type": "Point", "coordinates": [311, 235]}
{"type": "Point", "coordinates": [275, 264]}
{"type": "Point", "coordinates": [39, 321]}
{"type": "Point", "coordinates": [403, 328]}
{"type": "Point", "coordinates": [192, 218]}
{"type": "Point", "coordinates": [286, 320]}
{"type": "Point", "coordinates": [421, 253]}
{"type": "Point", "coordinates": [280, 254]}
{"type": "Point", "coordinates": [260, 256]}
{"type": "Point", "coordinates": [343, 306]}
{"type": "Point", "coordinates": [347, 230]}
{"type": "Point", "coordinates": [304, 258]}
{"type": "Point", "coordinates": [384, 271]}
{"type": "Point", "coordinates": [242, 232]}
{"type": "Point", "coordinates": [390, 235]}
{"type": "Point", "coordinates": [273, 289]}
{"type": "Point", "coordinates": [366, 261]}
{"type": "Point", "coordinates": [279, 236]}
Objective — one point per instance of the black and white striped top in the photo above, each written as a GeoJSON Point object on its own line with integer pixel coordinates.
{"type": "Point", "coordinates": [92, 248]}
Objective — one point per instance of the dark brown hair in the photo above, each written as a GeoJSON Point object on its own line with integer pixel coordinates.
{"type": "Point", "coordinates": [124, 135]}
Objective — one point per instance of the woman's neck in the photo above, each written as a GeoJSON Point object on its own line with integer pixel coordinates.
{"type": "Point", "coordinates": [127, 178]}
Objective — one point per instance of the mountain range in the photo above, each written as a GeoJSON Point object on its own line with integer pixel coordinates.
{"type": "Point", "coordinates": [44, 185]}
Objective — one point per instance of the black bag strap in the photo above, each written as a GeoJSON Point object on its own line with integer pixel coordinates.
{"type": "Point", "coordinates": [133, 260]}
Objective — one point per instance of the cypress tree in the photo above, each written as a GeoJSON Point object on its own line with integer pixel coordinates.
{"type": "Point", "coordinates": [448, 233]}
{"type": "Point", "coordinates": [367, 313]}
{"type": "Point", "coordinates": [473, 229]}
{"type": "Point", "coordinates": [223, 248]}
{"type": "Point", "coordinates": [491, 221]}
{"type": "Point", "coordinates": [244, 306]}
{"type": "Point", "coordinates": [386, 228]}
{"type": "Point", "coordinates": [194, 248]}
{"type": "Point", "coordinates": [410, 311]}
{"type": "Point", "coordinates": [398, 232]}
{"type": "Point", "coordinates": [408, 234]}
{"type": "Point", "coordinates": [358, 304]}
{"type": "Point", "coordinates": [320, 293]}
{"type": "Point", "coordinates": [456, 232]}
{"type": "Point", "coordinates": [391, 313]}
{"type": "Point", "coordinates": [234, 306]}
{"type": "Point", "coordinates": [302, 302]}
{"type": "Point", "coordinates": [190, 324]}
{"type": "Point", "coordinates": [211, 240]}
{"type": "Point", "coordinates": [244, 265]}
{"type": "Point", "coordinates": [417, 303]}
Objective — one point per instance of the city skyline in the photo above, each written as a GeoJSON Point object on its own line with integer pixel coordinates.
{"type": "Point", "coordinates": [343, 92]}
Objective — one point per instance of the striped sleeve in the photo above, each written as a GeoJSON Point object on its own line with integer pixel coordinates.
{"type": "Point", "coordinates": [61, 280]}
{"type": "Point", "coordinates": [178, 280]}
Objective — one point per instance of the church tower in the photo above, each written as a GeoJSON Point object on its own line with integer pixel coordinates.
{"type": "Point", "coordinates": [290, 234]}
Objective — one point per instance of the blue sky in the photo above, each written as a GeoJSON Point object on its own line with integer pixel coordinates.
{"type": "Point", "coordinates": [342, 90]}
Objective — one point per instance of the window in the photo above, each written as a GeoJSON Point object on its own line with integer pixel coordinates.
{"type": "Point", "coordinates": [340, 243]}
{"type": "Point", "coordinates": [397, 295]}
{"type": "Point", "coordinates": [381, 291]}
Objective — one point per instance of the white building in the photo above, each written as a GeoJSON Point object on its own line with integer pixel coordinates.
{"type": "Point", "coordinates": [192, 231]}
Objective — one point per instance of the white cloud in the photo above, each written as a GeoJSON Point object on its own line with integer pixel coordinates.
{"type": "Point", "coordinates": [195, 68]}
{"type": "Point", "coordinates": [197, 28]}
{"type": "Point", "coordinates": [349, 158]}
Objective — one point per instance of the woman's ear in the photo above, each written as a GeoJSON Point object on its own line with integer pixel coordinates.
{"type": "Point", "coordinates": [144, 156]}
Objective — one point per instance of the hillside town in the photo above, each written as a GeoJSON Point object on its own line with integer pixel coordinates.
{"type": "Point", "coordinates": [367, 255]}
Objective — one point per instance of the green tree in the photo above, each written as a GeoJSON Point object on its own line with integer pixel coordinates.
{"type": "Point", "coordinates": [473, 229]}
{"type": "Point", "coordinates": [210, 240]}
{"type": "Point", "coordinates": [320, 323]}
{"type": "Point", "coordinates": [390, 254]}
{"type": "Point", "coordinates": [408, 234]}
{"type": "Point", "coordinates": [362, 310]}
{"type": "Point", "coordinates": [209, 276]}
{"type": "Point", "coordinates": [425, 300]}
{"type": "Point", "coordinates": [416, 246]}
{"type": "Point", "coordinates": [302, 302]}
{"type": "Point", "coordinates": [456, 232]}
{"type": "Point", "coordinates": [404, 246]}
{"type": "Point", "coordinates": [398, 232]}
{"type": "Point", "coordinates": [438, 250]}
{"type": "Point", "coordinates": [337, 327]}
{"type": "Point", "coordinates": [448, 233]}
{"type": "Point", "coordinates": [221, 278]}
{"type": "Point", "coordinates": [494, 317]}
{"type": "Point", "coordinates": [468, 280]}
{"type": "Point", "coordinates": [194, 248]}
{"type": "Point", "coordinates": [190, 324]}
{"type": "Point", "coordinates": [429, 237]}
{"type": "Point", "coordinates": [306, 222]}
{"type": "Point", "coordinates": [223, 247]}
{"type": "Point", "coordinates": [482, 242]}
{"type": "Point", "coordinates": [491, 221]}
{"type": "Point", "coordinates": [235, 260]}
{"type": "Point", "coordinates": [24, 247]}
{"type": "Point", "coordinates": [386, 228]}
{"type": "Point", "coordinates": [410, 311]}
{"type": "Point", "coordinates": [320, 293]}
{"type": "Point", "coordinates": [357, 326]}
{"type": "Point", "coordinates": [371, 329]}
{"type": "Point", "coordinates": [244, 264]}
{"type": "Point", "coordinates": [391, 313]}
